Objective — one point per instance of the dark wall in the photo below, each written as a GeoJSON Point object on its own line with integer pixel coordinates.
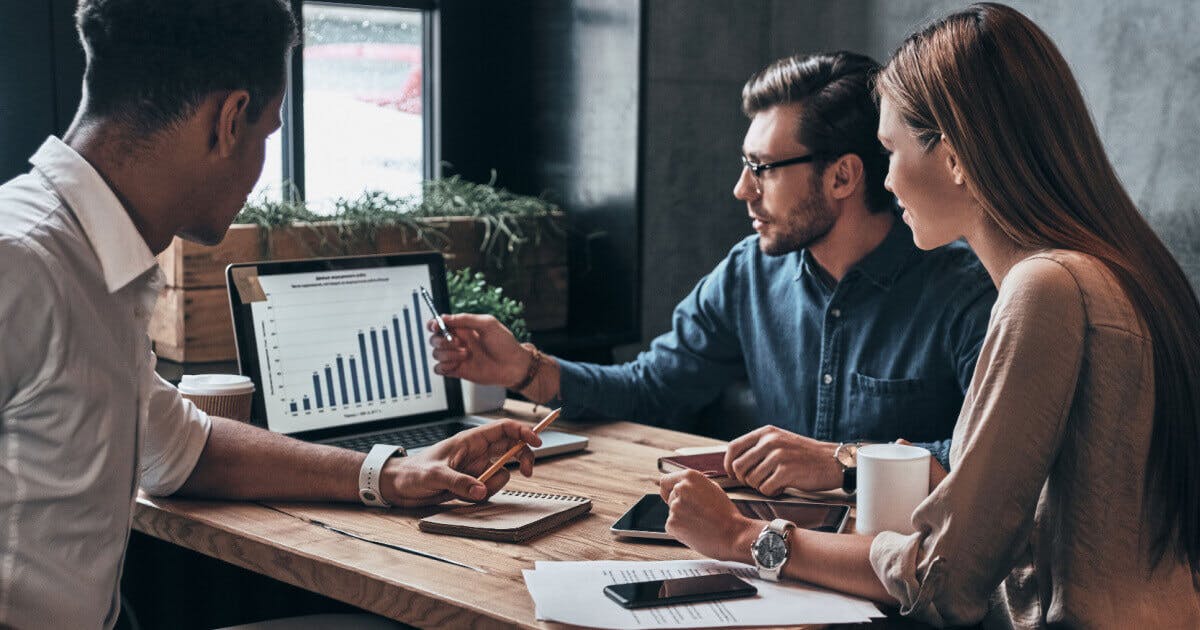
{"type": "Point", "coordinates": [547, 93]}
{"type": "Point", "coordinates": [40, 77]}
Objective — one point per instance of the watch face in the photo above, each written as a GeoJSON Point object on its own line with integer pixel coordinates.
{"type": "Point", "coordinates": [848, 455]}
{"type": "Point", "coordinates": [771, 550]}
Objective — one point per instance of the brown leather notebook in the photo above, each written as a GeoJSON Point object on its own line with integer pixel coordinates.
{"type": "Point", "coordinates": [509, 516]}
{"type": "Point", "coordinates": [711, 464]}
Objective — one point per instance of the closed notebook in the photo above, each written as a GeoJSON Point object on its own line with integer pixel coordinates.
{"type": "Point", "coordinates": [509, 516]}
{"type": "Point", "coordinates": [711, 464]}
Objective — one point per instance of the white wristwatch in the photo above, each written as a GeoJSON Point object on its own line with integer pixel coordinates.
{"type": "Point", "coordinates": [770, 549]}
{"type": "Point", "coordinates": [368, 475]}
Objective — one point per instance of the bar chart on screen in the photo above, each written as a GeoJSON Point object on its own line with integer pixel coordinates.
{"type": "Point", "coordinates": [340, 347]}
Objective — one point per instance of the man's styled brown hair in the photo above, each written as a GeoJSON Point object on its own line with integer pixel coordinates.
{"type": "Point", "coordinates": [838, 113]}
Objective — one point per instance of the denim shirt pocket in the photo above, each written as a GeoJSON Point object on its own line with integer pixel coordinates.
{"type": "Point", "coordinates": [884, 409]}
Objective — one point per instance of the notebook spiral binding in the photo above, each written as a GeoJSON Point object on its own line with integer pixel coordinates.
{"type": "Point", "coordinates": [544, 495]}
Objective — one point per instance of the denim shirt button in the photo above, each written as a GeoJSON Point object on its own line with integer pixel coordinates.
{"type": "Point", "coordinates": [837, 312]}
{"type": "Point", "coordinates": [828, 379]}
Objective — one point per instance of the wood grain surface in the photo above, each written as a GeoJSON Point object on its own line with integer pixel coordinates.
{"type": "Point", "coordinates": [279, 540]}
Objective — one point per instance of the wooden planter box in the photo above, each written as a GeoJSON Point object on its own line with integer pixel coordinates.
{"type": "Point", "coordinates": [192, 320]}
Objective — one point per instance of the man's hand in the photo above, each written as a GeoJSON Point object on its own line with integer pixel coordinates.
{"type": "Point", "coordinates": [483, 351]}
{"type": "Point", "coordinates": [448, 469]}
{"type": "Point", "coordinates": [770, 460]}
{"type": "Point", "coordinates": [703, 518]}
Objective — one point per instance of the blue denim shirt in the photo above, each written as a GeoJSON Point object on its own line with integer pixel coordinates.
{"type": "Point", "coordinates": [886, 353]}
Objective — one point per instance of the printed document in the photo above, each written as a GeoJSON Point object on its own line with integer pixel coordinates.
{"type": "Point", "coordinates": [573, 592]}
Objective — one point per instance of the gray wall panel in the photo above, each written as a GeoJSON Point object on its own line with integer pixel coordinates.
{"type": "Point", "coordinates": [1136, 61]}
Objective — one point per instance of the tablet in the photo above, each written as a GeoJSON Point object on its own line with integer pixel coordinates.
{"type": "Point", "coordinates": [648, 518]}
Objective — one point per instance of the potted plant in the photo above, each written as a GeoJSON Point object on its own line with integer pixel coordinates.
{"type": "Point", "coordinates": [471, 293]}
{"type": "Point", "coordinates": [517, 242]}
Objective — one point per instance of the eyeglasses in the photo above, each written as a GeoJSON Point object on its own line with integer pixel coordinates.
{"type": "Point", "coordinates": [756, 168]}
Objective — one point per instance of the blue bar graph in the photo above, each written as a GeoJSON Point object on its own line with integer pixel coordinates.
{"type": "Point", "coordinates": [400, 355]}
{"type": "Point", "coordinates": [342, 380]}
{"type": "Point", "coordinates": [329, 384]}
{"type": "Point", "coordinates": [372, 386]}
{"type": "Point", "coordinates": [378, 367]}
{"type": "Point", "coordinates": [354, 379]}
{"type": "Point", "coordinates": [387, 355]}
{"type": "Point", "coordinates": [362, 354]}
{"type": "Point", "coordinates": [317, 390]}
{"type": "Point", "coordinates": [421, 340]}
{"type": "Point", "coordinates": [292, 406]}
{"type": "Point", "coordinates": [412, 354]}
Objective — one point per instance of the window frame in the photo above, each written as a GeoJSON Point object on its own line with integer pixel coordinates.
{"type": "Point", "coordinates": [292, 131]}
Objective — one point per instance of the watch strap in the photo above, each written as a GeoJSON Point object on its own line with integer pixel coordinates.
{"type": "Point", "coordinates": [780, 527]}
{"type": "Point", "coordinates": [849, 473]}
{"type": "Point", "coordinates": [372, 467]}
{"type": "Point", "coordinates": [849, 480]}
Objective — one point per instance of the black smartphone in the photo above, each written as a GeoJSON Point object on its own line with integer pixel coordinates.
{"type": "Point", "coordinates": [701, 588]}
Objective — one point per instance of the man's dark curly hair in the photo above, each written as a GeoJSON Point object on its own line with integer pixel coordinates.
{"type": "Point", "coordinates": [151, 62]}
{"type": "Point", "coordinates": [838, 113]}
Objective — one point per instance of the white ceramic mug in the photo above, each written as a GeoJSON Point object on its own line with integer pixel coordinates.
{"type": "Point", "coordinates": [225, 395]}
{"type": "Point", "coordinates": [892, 481]}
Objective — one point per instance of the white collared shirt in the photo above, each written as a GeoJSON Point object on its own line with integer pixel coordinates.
{"type": "Point", "coordinates": [84, 419]}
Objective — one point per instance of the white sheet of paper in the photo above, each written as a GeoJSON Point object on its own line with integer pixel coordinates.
{"type": "Point", "coordinates": [572, 592]}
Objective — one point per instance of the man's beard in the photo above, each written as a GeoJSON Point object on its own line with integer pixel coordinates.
{"type": "Point", "coordinates": [804, 224]}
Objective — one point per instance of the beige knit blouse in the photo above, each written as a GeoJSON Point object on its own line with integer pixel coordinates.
{"type": "Point", "coordinates": [1040, 521]}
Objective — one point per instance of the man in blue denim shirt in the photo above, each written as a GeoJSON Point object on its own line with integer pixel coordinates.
{"type": "Point", "coordinates": [844, 329]}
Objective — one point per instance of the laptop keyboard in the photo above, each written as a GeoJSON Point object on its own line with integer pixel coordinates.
{"type": "Point", "coordinates": [410, 438]}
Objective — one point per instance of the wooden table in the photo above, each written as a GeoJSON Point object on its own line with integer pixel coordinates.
{"type": "Point", "coordinates": [619, 466]}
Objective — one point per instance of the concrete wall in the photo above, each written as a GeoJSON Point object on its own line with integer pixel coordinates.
{"type": "Point", "coordinates": [1136, 61]}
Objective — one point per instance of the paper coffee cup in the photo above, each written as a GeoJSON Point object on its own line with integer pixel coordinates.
{"type": "Point", "coordinates": [225, 395]}
{"type": "Point", "coordinates": [892, 481]}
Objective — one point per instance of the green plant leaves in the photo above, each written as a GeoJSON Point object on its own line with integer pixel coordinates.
{"type": "Point", "coordinates": [470, 293]}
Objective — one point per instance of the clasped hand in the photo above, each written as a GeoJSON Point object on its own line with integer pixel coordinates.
{"type": "Point", "coordinates": [771, 460]}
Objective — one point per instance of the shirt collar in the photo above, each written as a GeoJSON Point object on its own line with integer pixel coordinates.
{"type": "Point", "coordinates": [886, 261]}
{"type": "Point", "coordinates": [883, 263]}
{"type": "Point", "coordinates": [120, 248]}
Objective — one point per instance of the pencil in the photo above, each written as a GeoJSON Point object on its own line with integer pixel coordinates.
{"type": "Point", "coordinates": [499, 463]}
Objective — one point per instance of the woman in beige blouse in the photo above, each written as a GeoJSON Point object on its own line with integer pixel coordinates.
{"type": "Point", "coordinates": [1074, 496]}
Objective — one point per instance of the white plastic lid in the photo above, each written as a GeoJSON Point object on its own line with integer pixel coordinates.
{"type": "Point", "coordinates": [215, 384]}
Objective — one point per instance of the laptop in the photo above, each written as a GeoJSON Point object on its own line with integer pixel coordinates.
{"type": "Point", "coordinates": [339, 355]}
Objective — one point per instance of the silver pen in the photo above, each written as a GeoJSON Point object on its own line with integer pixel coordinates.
{"type": "Point", "coordinates": [441, 323]}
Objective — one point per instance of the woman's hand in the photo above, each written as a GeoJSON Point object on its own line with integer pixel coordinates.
{"type": "Point", "coordinates": [703, 518]}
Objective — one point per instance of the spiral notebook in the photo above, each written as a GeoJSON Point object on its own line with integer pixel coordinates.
{"type": "Point", "coordinates": [509, 516]}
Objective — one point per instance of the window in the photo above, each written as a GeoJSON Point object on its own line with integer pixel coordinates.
{"type": "Point", "coordinates": [358, 116]}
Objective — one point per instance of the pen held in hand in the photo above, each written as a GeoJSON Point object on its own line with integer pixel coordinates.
{"type": "Point", "coordinates": [510, 453]}
{"type": "Point", "coordinates": [441, 323]}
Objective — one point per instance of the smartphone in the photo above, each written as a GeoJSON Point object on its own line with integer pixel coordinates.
{"type": "Point", "coordinates": [648, 518]}
{"type": "Point", "coordinates": [701, 588]}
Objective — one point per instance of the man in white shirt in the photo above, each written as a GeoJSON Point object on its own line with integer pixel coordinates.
{"type": "Point", "coordinates": [179, 99]}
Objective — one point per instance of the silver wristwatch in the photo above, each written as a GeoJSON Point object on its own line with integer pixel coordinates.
{"type": "Point", "coordinates": [368, 475]}
{"type": "Point", "coordinates": [770, 549]}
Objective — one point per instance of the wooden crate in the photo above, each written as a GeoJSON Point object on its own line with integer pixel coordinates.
{"type": "Point", "coordinates": [193, 325]}
{"type": "Point", "coordinates": [192, 319]}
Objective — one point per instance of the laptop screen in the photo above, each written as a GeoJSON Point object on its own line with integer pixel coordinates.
{"type": "Point", "coordinates": [341, 343]}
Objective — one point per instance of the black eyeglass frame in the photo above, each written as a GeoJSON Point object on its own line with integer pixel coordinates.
{"type": "Point", "coordinates": [756, 169]}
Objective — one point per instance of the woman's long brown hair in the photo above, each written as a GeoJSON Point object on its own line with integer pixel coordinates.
{"type": "Point", "coordinates": [1000, 91]}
